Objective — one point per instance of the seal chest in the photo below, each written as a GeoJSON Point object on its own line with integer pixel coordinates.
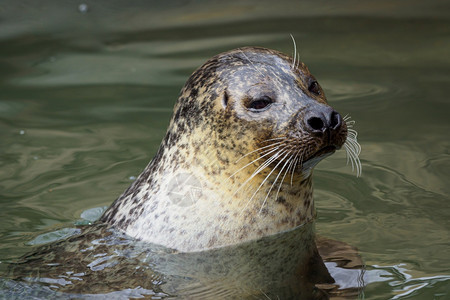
{"type": "Point", "coordinates": [237, 159]}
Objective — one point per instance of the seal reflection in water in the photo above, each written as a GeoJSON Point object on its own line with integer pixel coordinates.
{"type": "Point", "coordinates": [229, 191]}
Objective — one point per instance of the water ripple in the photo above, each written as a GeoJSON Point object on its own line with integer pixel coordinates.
{"type": "Point", "coordinates": [338, 90]}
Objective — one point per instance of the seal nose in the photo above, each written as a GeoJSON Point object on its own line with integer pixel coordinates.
{"type": "Point", "coordinates": [323, 119]}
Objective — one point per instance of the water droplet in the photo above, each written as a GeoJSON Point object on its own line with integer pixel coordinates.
{"type": "Point", "coordinates": [83, 8]}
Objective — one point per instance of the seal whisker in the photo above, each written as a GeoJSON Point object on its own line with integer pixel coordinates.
{"type": "Point", "coordinates": [277, 138]}
{"type": "Point", "coordinates": [352, 132]}
{"type": "Point", "coordinates": [276, 179]}
{"type": "Point", "coordinates": [353, 143]}
{"type": "Point", "coordinates": [295, 165]}
{"type": "Point", "coordinates": [265, 152]}
{"type": "Point", "coordinates": [269, 151]}
{"type": "Point", "coordinates": [291, 161]}
{"type": "Point", "coordinates": [300, 161]}
{"type": "Point", "coordinates": [268, 193]}
{"type": "Point", "coordinates": [267, 163]}
{"type": "Point", "coordinates": [355, 162]}
{"type": "Point", "coordinates": [264, 294]}
{"type": "Point", "coordinates": [288, 170]}
{"type": "Point", "coordinates": [267, 146]}
{"type": "Point", "coordinates": [349, 155]}
{"type": "Point", "coordinates": [352, 156]}
{"type": "Point", "coordinates": [267, 177]}
{"type": "Point", "coordinates": [251, 62]}
{"type": "Point", "coordinates": [352, 136]}
{"type": "Point", "coordinates": [350, 123]}
{"type": "Point", "coordinates": [352, 147]}
{"type": "Point", "coordinates": [295, 51]}
{"type": "Point", "coordinates": [262, 167]}
{"type": "Point", "coordinates": [356, 149]}
{"type": "Point", "coordinates": [346, 118]}
{"type": "Point", "coordinates": [301, 157]}
{"type": "Point", "coordinates": [358, 165]}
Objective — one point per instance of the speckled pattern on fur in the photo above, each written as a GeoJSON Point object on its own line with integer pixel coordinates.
{"type": "Point", "coordinates": [214, 137]}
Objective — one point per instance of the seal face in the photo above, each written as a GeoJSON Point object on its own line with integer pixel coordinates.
{"type": "Point", "coordinates": [236, 162]}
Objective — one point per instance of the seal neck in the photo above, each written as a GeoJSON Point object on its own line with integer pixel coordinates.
{"type": "Point", "coordinates": [211, 200]}
{"type": "Point", "coordinates": [193, 197]}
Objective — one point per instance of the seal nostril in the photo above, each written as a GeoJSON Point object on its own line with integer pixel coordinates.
{"type": "Point", "coordinates": [323, 119]}
{"type": "Point", "coordinates": [335, 120]}
{"type": "Point", "coordinates": [316, 123]}
{"type": "Point", "coordinates": [225, 99]}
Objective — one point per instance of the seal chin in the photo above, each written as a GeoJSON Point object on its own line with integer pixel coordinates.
{"type": "Point", "coordinates": [308, 165]}
{"type": "Point", "coordinates": [327, 150]}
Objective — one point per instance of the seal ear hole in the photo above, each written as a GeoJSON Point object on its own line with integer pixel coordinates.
{"type": "Point", "coordinates": [313, 87]}
{"type": "Point", "coordinates": [259, 104]}
{"type": "Point", "coordinates": [225, 99]}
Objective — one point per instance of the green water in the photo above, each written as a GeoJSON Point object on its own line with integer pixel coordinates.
{"type": "Point", "coordinates": [85, 98]}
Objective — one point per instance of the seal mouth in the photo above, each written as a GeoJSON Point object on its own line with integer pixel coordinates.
{"type": "Point", "coordinates": [323, 151]}
{"type": "Point", "coordinates": [314, 159]}
{"type": "Point", "coordinates": [319, 155]}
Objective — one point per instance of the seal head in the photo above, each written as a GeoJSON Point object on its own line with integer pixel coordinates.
{"type": "Point", "coordinates": [236, 162]}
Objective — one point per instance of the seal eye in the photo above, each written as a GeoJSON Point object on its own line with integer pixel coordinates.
{"type": "Point", "coordinates": [260, 104]}
{"type": "Point", "coordinates": [314, 87]}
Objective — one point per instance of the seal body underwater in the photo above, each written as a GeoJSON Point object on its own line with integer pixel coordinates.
{"type": "Point", "coordinates": [225, 208]}
{"type": "Point", "coordinates": [247, 130]}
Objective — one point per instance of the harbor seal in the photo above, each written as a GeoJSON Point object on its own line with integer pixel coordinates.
{"type": "Point", "coordinates": [236, 162]}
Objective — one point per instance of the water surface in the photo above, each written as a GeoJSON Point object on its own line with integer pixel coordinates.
{"type": "Point", "coordinates": [86, 93]}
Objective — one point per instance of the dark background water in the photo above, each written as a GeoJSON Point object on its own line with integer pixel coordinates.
{"type": "Point", "coordinates": [87, 89]}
